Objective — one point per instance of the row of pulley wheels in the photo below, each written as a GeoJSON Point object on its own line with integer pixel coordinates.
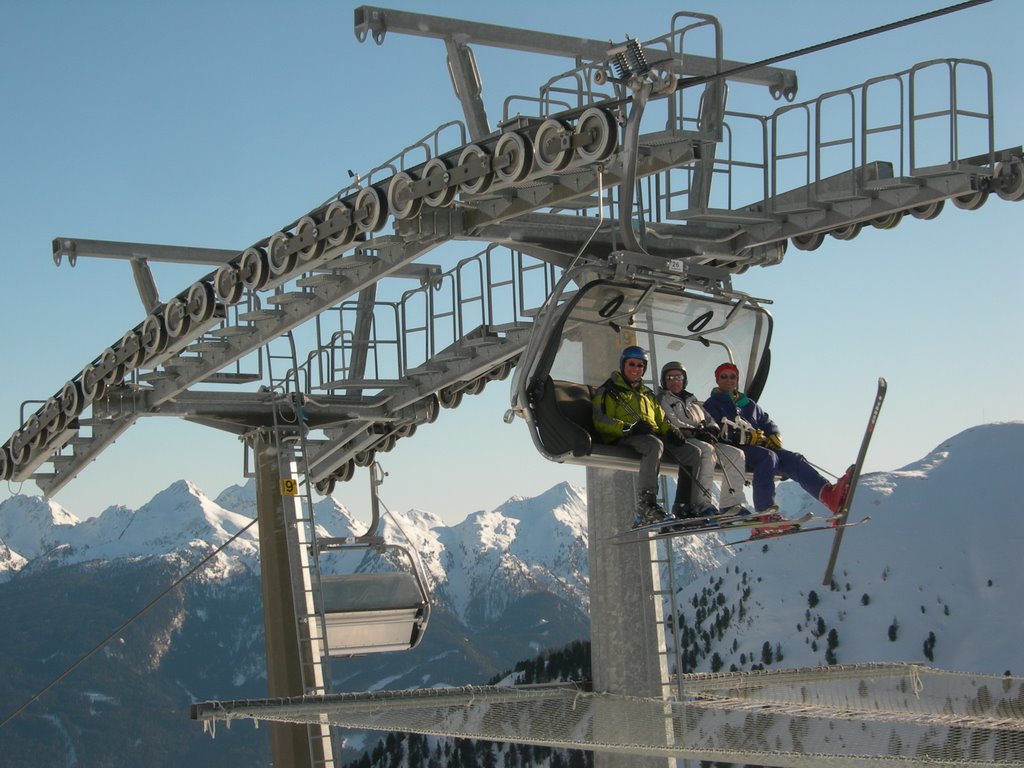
{"type": "Point", "coordinates": [514, 157]}
{"type": "Point", "coordinates": [1007, 181]}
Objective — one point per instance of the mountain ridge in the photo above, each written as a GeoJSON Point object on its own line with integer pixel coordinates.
{"type": "Point", "coordinates": [932, 579]}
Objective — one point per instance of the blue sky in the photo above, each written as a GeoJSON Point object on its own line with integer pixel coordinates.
{"type": "Point", "coordinates": [213, 123]}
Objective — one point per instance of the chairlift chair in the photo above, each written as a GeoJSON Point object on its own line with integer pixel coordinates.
{"type": "Point", "coordinates": [378, 612]}
{"type": "Point", "coordinates": [557, 376]}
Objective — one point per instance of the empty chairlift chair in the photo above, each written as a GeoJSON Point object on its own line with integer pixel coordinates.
{"type": "Point", "coordinates": [372, 612]}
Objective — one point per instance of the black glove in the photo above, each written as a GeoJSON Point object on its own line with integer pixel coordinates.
{"type": "Point", "coordinates": [705, 434]}
{"type": "Point", "coordinates": [639, 427]}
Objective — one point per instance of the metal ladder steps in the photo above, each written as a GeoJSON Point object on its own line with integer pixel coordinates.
{"type": "Point", "coordinates": [362, 384]}
{"type": "Point", "coordinates": [722, 214]}
{"type": "Point", "coordinates": [341, 263]}
{"type": "Point", "coordinates": [232, 378]}
{"type": "Point", "coordinates": [232, 331]}
{"type": "Point", "coordinates": [181, 362]}
{"type": "Point", "coordinates": [899, 182]}
{"type": "Point", "coordinates": [323, 278]}
{"type": "Point", "coordinates": [291, 297]}
{"type": "Point", "coordinates": [158, 375]}
{"type": "Point", "coordinates": [504, 328]}
{"type": "Point", "coordinates": [201, 345]}
{"type": "Point", "coordinates": [259, 315]}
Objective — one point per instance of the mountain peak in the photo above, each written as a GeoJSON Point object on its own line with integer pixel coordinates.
{"type": "Point", "coordinates": [563, 495]}
{"type": "Point", "coordinates": [32, 525]}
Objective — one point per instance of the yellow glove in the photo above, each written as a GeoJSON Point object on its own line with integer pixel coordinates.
{"type": "Point", "coordinates": [774, 442]}
{"type": "Point", "coordinates": [755, 437]}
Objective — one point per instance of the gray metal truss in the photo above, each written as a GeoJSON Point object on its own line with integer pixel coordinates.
{"type": "Point", "coordinates": [387, 338]}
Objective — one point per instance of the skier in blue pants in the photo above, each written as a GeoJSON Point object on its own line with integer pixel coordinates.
{"type": "Point", "coordinates": [748, 425]}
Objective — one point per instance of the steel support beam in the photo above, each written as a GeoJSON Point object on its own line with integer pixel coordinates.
{"type": "Point", "coordinates": [466, 81]}
{"type": "Point", "coordinates": [74, 247]}
{"type": "Point", "coordinates": [377, 22]}
{"type": "Point", "coordinates": [146, 284]}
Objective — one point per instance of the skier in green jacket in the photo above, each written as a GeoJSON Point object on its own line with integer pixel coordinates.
{"type": "Point", "coordinates": [626, 412]}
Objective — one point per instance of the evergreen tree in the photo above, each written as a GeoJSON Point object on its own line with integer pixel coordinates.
{"type": "Point", "coordinates": [466, 751]}
{"type": "Point", "coordinates": [833, 638]}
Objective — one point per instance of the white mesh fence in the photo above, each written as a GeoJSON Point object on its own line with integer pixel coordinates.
{"type": "Point", "coordinates": [862, 715]}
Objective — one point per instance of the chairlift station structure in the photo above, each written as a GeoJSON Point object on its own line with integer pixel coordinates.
{"type": "Point", "coordinates": [614, 206]}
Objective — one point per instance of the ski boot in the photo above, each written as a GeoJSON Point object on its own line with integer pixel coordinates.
{"type": "Point", "coordinates": [737, 510]}
{"type": "Point", "coordinates": [684, 511]}
{"type": "Point", "coordinates": [833, 495]}
{"type": "Point", "coordinates": [648, 510]}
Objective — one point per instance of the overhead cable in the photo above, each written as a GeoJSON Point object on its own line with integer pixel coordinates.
{"type": "Point", "coordinates": [691, 81]}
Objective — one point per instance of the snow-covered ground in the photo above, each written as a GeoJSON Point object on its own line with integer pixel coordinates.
{"type": "Point", "coordinates": [939, 556]}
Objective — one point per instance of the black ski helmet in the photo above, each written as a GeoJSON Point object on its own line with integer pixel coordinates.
{"type": "Point", "coordinates": [633, 353]}
{"type": "Point", "coordinates": [673, 365]}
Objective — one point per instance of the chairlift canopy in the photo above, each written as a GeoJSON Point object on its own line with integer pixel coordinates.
{"type": "Point", "coordinates": [672, 322]}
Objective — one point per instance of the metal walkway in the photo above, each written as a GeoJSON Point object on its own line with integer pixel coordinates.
{"type": "Point", "coordinates": [842, 716]}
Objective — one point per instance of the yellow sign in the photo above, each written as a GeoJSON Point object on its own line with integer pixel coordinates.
{"type": "Point", "coordinates": [289, 486]}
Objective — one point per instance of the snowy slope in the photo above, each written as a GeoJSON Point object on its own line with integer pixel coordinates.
{"type": "Point", "coordinates": [940, 556]}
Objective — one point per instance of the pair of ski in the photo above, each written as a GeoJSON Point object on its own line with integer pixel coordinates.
{"type": "Point", "coordinates": [763, 528]}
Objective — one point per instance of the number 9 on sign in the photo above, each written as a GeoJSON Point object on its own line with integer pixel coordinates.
{"type": "Point", "coordinates": [289, 487]}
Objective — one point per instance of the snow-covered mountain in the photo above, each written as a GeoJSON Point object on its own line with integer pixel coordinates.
{"type": "Point", "coordinates": [476, 568]}
{"type": "Point", "coordinates": [932, 578]}
{"type": "Point", "coordinates": [940, 527]}
{"type": "Point", "coordinates": [31, 526]}
{"type": "Point", "coordinates": [505, 585]}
